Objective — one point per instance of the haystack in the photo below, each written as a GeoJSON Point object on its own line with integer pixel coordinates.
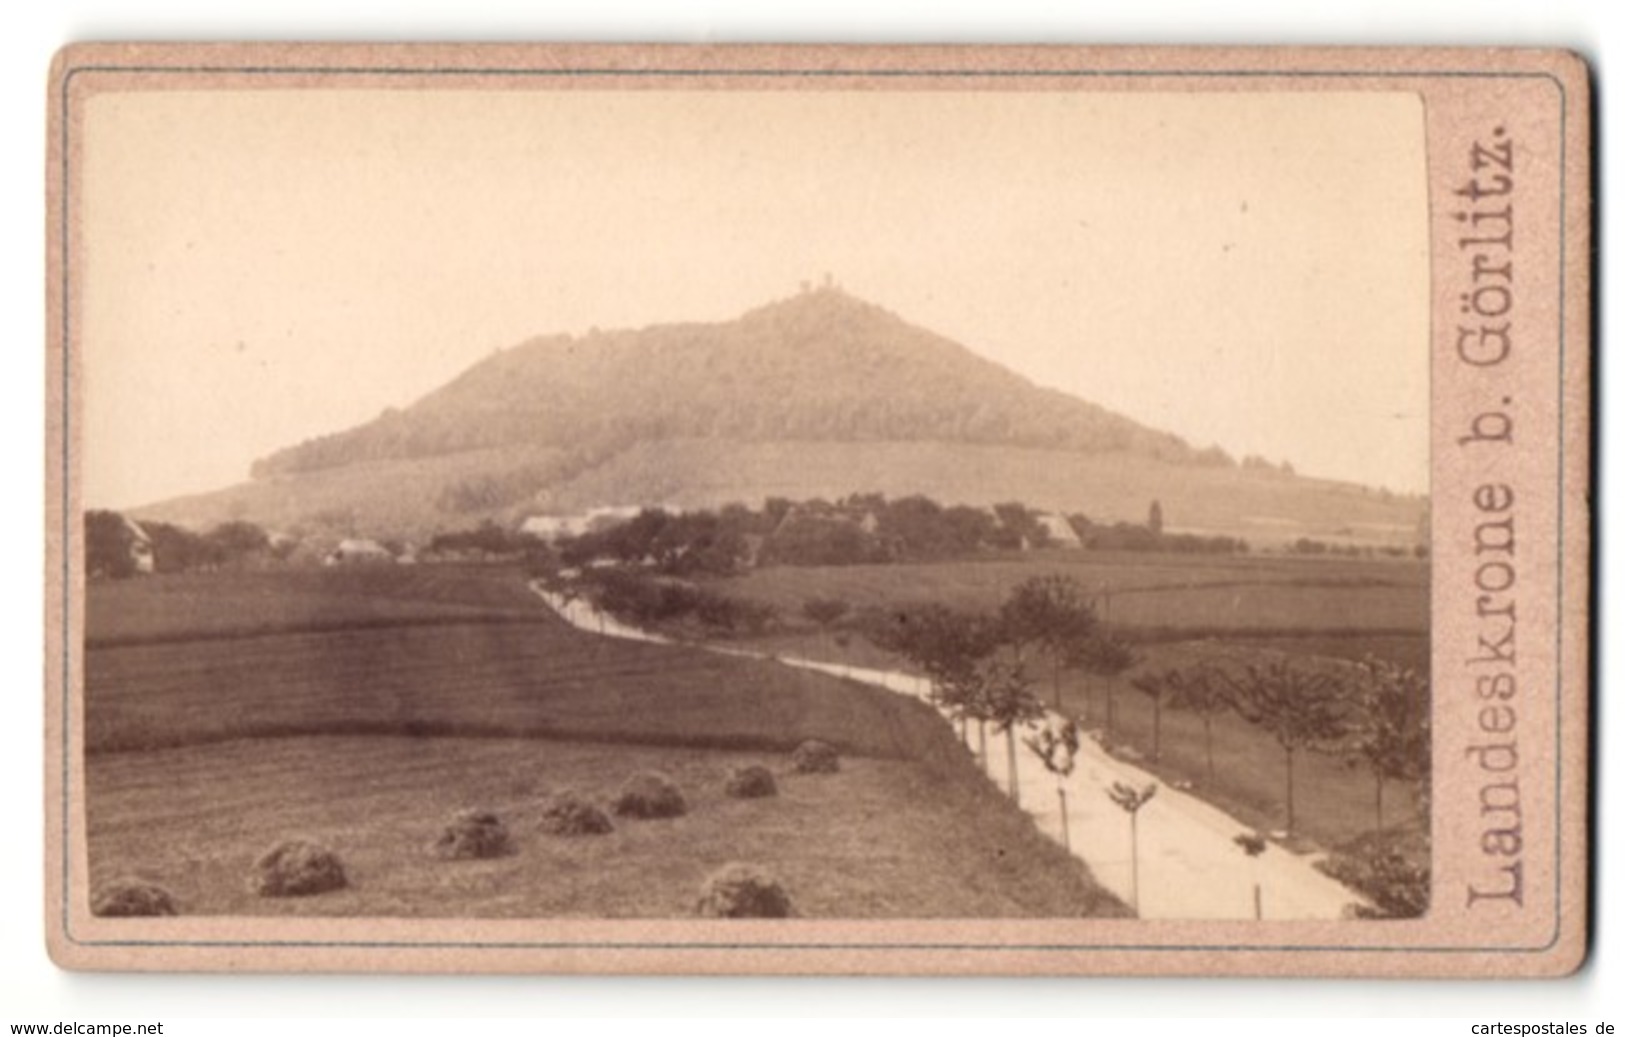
{"type": "Point", "coordinates": [473, 835]}
{"type": "Point", "coordinates": [650, 794]}
{"type": "Point", "coordinates": [742, 891]}
{"type": "Point", "coordinates": [815, 757]}
{"type": "Point", "coordinates": [297, 868]}
{"type": "Point", "coordinates": [132, 898]}
{"type": "Point", "coordinates": [566, 813]}
{"type": "Point", "coordinates": [752, 781]}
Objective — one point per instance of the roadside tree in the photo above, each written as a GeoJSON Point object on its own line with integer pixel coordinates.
{"type": "Point", "coordinates": [1106, 656]}
{"type": "Point", "coordinates": [951, 648]}
{"type": "Point", "coordinates": [1300, 707]}
{"type": "Point", "coordinates": [1008, 701]}
{"type": "Point", "coordinates": [1253, 845]}
{"type": "Point", "coordinates": [1053, 612]}
{"type": "Point", "coordinates": [1200, 690]}
{"type": "Point", "coordinates": [1392, 733]}
{"type": "Point", "coordinates": [1158, 687]}
{"type": "Point", "coordinates": [1056, 744]}
{"type": "Point", "coordinates": [826, 612]}
{"type": "Point", "coordinates": [1132, 800]}
{"type": "Point", "coordinates": [107, 545]}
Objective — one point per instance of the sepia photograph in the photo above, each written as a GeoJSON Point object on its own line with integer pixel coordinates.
{"type": "Point", "coordinates": [596, 499]}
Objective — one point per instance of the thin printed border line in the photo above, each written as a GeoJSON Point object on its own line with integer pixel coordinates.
{"type": "Point", "coordinates": [67, 517]}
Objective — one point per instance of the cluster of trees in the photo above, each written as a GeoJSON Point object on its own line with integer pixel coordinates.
{"type": "Point", "coordinates": [1129, 536]}
{"type": "Point", "coordinates": [827, 612]}
{"type": "Point", "coordinates": [1311, 546]}
{"type": "Point", "coordinates": [979, 663]}
{"type": "Point", "coordinates": [1255, 463]}
{"type": "Point", "coordinates": [1375, 711]}
{"type": "Point", "coordinates": [673, 543]}
{"type": "Point", "coordinates": [487, 538]}
{"type": "Point", "coordinates": [111, 546]}
{"type": "Point", "coordinates": [970, 677]}
{"type": "Point", "coordinates": [868, 528]}
{"type": "Point", "coordinates": [871, 528]}
{"type": "Point", "coordinates": [823, 539]}
{"type": "Point", "coordinates": [646, 600]}
{"type": "Point", "coordinates": [855, 530]}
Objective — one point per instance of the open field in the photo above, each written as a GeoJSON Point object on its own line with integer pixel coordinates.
{"type": "Point", "coordinates": [1409, 650]}
{"type": "Point", "coordinates": [219, 721]}
{"type": "Point", "coordinates": [882, 838]}
{"type": "Point", "coordinates": [491, 680]}
{"type": "Point", "coordinates": [190, 606]}
{"type": "Point", "coordinates": [1150, 592]}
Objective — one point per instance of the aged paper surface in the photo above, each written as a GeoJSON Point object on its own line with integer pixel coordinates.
{"type": "Point", "coordinates": [607, 509]}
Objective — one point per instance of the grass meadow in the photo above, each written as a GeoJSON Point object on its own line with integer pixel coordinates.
{"type": "Point", "coordinates": [1149, 592]}
{"type": "Point", "coordinates": [196, 606]}
{"type": "Point", "coordinates": [540, 679]}
{"type": "Point", "coordinates": [362, 707]}
{"type": "Point", "coordinates": [881, 838]}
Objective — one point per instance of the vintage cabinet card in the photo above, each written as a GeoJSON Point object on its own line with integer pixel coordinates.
{"type": "Point", "coordinates": [818, 509]}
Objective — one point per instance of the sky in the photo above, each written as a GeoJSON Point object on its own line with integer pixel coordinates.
{"type": "Point", "coordinates": [260, 267]}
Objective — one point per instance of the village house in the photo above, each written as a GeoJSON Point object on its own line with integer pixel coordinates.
{"type": "Point", "coordinates": [859, 517]}
{"type": "Point", "coordinates": [553, 528]}
{"type": "Point", "coordinates": [550, 528]}
{"type": "Point", "coordinates": [139, 545]}
{"type": "Point", "coordinates": [359, 552]}
{"type": "Point", "coordinates": [1061, 533]}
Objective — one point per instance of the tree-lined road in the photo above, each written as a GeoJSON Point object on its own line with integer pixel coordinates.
{"type": "Point", "coordinates": [1190, 865]}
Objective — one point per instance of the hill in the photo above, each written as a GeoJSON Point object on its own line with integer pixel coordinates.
{"type": "Point", "coordinates": [821, 394]}
{"type": "Point", "coordinates": [820, 366]}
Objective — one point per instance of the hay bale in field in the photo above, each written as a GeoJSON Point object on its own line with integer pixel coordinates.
{"type": "Point", "coordinates": [297, 868]}
{"type": "Point", "coordinates": [473, 835]}
{"type": "Point", "coordinates": [815, 757]}
{"type": "Point", "coordinates": [566, 813]}
{"type": "Point", "coordinates": [742, 891]}
{"type": "Point", "coordinates": [133, 898]}
{"type": "Point", "coordinates": [752, 781]}
{"type": "Point", "coordinates": [650, 794]}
